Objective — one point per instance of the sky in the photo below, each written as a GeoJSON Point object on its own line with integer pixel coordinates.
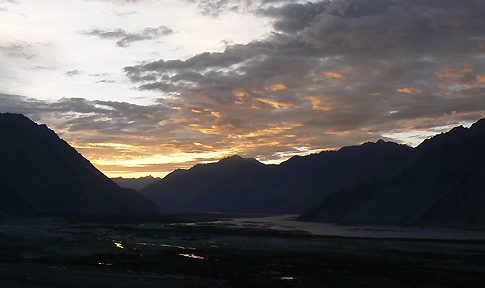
{"type": "Point", "coordinates": [143, 87]}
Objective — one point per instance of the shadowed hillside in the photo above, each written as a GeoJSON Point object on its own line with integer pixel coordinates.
{"type": "Point", "coordinates": [42, 173]}
{"type": "Point", "coordinates": [237, 184]}
{"type": "Point", "coordinates": [135, 183]}
{"type": "Point", "coordinates": [445, 185]}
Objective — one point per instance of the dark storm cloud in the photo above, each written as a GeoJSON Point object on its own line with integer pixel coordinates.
{"type": "Point", "coordinates": [125, 38]}
{"type": "Point", "coordinates": [295, 16]}
{"type": "Point", "coordinates": [343, 69]}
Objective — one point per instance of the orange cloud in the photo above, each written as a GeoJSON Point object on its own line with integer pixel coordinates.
{"type": "Point", "coordinates": [275, 103]}
{"type": "Point", "coordinates": [455, 72]}
{"type": "Point", "coordinates": [329, 74]}
{"type": "Point", "coordinates": [334, 74]}
{"type": "Point", "coordinates": [317, 103]}
{"type": "Point", "coordinates": [216, 114]}
{"type": "Point", "coordinates": [212, 130]}
{"type": "Point", "coordinates": [239, 93]}
{"type": "Point", "coordinates": [275, 87]}
{"type": "Point", "coordinates": [409, 90]}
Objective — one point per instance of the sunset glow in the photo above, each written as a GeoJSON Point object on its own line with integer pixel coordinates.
{"type": "Point", "coordinates": [147, 87]}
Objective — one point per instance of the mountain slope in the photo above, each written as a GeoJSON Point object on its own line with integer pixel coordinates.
{"type": "Point", "coordinates": [243, 185]}
{"type": "Point", "coordinates": [445, 185]}
{"type": "Point", "coordinates": [12, 204]}
{"type": "Point", "coordinates": [52, 177]}
{"type": "Point", "coordinates": [135, 183]}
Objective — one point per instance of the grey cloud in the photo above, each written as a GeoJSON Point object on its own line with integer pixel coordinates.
{"type": "Point", "coordinates": [9, 1]}
{"type": "Point", "coordinates": [18, 50]}
{"type": "Point", "coordinates": [215, 8]}
{"type": "Point", "coordinates": [119, 1]}
{"type": "Point", "coordinates": [72, 73]}
{"type": "Point", "coordinates": [106, 81]}
{"type": "Point", "coordinates": [125, 38]}
{"type": "Point", "coordinates": [81, 115]}
{"type": "Point", "coordinates": [47, 68]}
{"type": "Point", "coordinates": [295, 16]}
{"type": "Point", "coordinates": [127, 13]}
{"type": "Point", "coordinates": [334, 71]}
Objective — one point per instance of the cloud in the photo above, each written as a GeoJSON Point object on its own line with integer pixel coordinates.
{"type": "Point", "coordinates": [6, 2]}
{"type": "Point", "coordinates": [124, 38]}
{"type": "Point", "coordinates": [72, 73]}
{"type": "Point", "coordinates": [127, 13]}
{"type": "Point", "coordinates": [332, 73]}
{"type": "Point", "coordinates": [45, 68]}
{"type": "Point", "coordinates": [215, 8]}
{"type": "Point", "coordinates": [119, 1]}
{"type": "Point", "coordinates": [105, 81]}
{"type": "Point", "coordinates": [18, 50]}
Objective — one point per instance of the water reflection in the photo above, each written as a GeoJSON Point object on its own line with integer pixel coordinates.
{"type": "Point", "coordinates": [118, 245]}
{"type": "Point", "coordinates": [287, 278]}
{"type": "Point", "coordinates": [192, 256]}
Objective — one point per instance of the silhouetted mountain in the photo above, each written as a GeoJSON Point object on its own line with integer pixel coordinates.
{"type": "Point", "coordinates": [44, 174]}
{"type": "Point", "coordinates": [445, 185]}
{"type": "Point", "coordinates": [135, 183]}
{"type": "Point", "coordinates": [12, 204]}
{"type": "Point", "coordinates": [244, 185]}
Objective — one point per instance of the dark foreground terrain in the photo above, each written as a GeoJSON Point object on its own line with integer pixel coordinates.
{"type": "Point", "coordinates": [192, 251]}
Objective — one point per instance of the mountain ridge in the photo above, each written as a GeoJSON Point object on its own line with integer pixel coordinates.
{"type": "Point", "coordinates": [445, 185]}
{"type": "Point", "coordinates": [52, 177]}
{"type": "Point", "coordinates": [236, 184]}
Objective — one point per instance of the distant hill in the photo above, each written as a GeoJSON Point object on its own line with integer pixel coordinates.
{"type": "Point", "coordinates": [135, 183]}
{"type": "Point", "coordinates": [40, 173]}
{"type": "Point", "coordinates": [444, 185]}
{"type": "Point", "coordinates": [244, 185]}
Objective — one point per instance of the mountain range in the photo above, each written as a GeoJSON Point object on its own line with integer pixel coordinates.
{"type": "Point", "coordinates": [244, 185]}
{"type": "Point", "coordinates": [440, 182]}
{"type": "Point", "coordinates": [41, 174]}
{"type": "Point", "coordinates": [444, 185]}
{"type": "Point", "coordinates": [135, 183]}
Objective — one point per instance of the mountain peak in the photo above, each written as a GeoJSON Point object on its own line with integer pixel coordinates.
{"type": "Point", "coordinates": [10, 118]}
{"type": "Point", "coordinates": [48, 173]}
{"type": "Point", "coordinates": [237, 159]}
{"type": "Point", "coordinates": [479, 125]}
